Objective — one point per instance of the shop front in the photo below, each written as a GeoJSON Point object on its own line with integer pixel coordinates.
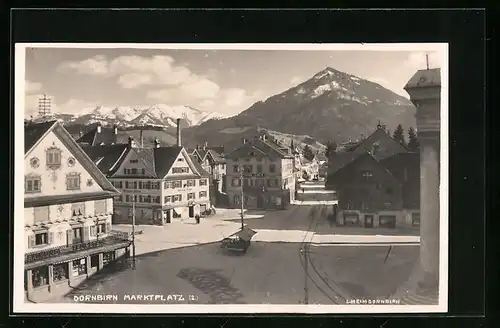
{"type": "Point", "coordinates": [48, 276]}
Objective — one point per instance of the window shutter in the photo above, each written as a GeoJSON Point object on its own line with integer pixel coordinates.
{"type": "Point", "coordinates": [108, 227]}
{"type": "Point", "coordinates": [31, 241]}
{"type": "Point", "coordinates": [51, 238]}
{"type": "Point", "coordinates": [69, 236]}
{"type": "Point", "coordinates": [86, 233]}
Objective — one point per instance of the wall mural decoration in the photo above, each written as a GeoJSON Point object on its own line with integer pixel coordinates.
{"type": "Point", "coordinates": [71, 161]}
{"type": "Point", "coordinates": [35, 162]}
{"type": "Point", "coordinates": [90, 182]}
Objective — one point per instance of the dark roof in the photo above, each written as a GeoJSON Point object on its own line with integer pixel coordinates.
{"type": "Point", "coordinates": [107, 136]}
{"type": "Point", "coordinates": [376, 137]}
{"type": "Point", "coordinates": [202, 153]}
{"type": "Point", "coordinates": [147, 156]}
{"type": "Point", "coordinates": [425, 78]}
{"type": "Point", "coordinates": [106, 157]}
{"type": "Point", "coordinates": [409, 162]}
{"type": "Point", "coordinates": [198, 168]}
{"type": "Point", "coordinates": [340, 160]}
{"type": "Point", "coordinates": [33, 132]}
{"type": "Point", "coordinates": [164, 158]}
{"type": "Point", "coordinates": [321, 157]}
{"type": "Point", "coordinates": [218, 159]}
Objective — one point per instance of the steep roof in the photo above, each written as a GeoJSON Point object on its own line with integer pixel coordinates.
{"type": "Point", "coordinates": [36, 133]}
{"type": "Point", "coordinates": [107, 157]}
{"type": "Point", "coordinates": [425, 78]}
{"type": "Point", "coordinates": [218, 159]}
{"type": "Point", "coordinates": [198, 167]}
{"type": "Point", "coordinates": [107, 136]}
{"type": "Point", "coordinates": [164, 158]}
{"type": "Point", "coordinates": [340, 160]}
{"type": "Point", "coordinates": [406, 168]}
{"type": "Point", "coordinates": [33, 132]}
{"type": "Point", "coordinates": [390, 146]}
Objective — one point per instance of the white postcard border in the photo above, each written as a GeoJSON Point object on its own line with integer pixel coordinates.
{"type": "Point", "coordinates": [20, 306]}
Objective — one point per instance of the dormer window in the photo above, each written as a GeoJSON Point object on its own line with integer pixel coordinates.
{"type": "Point", "coordinates": [53, 156]}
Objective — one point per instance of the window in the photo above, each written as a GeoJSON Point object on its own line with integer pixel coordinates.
{"type": "Point", "coordinates": [180, 160]}
{"type": "Point", "coordinates": [191, 183]}
{"type": "Point", "coordinates": [134, 161]}
{"type": "Point", "coordinates": [167, 199]}
{"type": "Point", "coordinates": [134, 171]}
{"type": "Point", "coordinates": [203, 182]}
{"type": "Point", "coordinates": [147, 185]}
{"type": "Point", "coordinates": [53, 158]}
{"type": "Point", "coordinates": [78, 209]}
{"type": "Point", "coordinates": [367, 175]}
{"type": "Point", "coordinates": [387, 221]}
{"type": "Point", "coordinates": [100, 206]}
{"type": "Point", "coordinates": [60, 272]}
{"type": "Point", "coordinates": [118, 184]}
{"type": "Point", "coordinates": [259, 168]}
{"type": "Point", "coordinates": [177, 198]}
{"type": "Point", "coordinates": [73, 181]}
{"type": "Point", "coordinates": [191, 195]}
{"type": "Point", "coordinates": [237, 199]}
{"type": "Point", "coordinates": [32, 184]}
{"type": "Point", "coordinates": [415, 219]}
{"type": "Point", "coordinates": [180, 170]}
{"type": "Point", "coordinates": [177, 184]}
{"type": "Point", "coordinates": [108, 257]}
{"type": "Point", "coordinates": [203, 194]}
{"type": "Point", "coordinates": [167, 185]}
{"type": "Point", "coordinates": [101, 228]}
{"type": "Point", "coordinates": [157, 199]}
{"type": "Point", "coordinates": [118, 198]}
{"type": "Point", "coordinates": [40, 276]}
{"type": "Point", "coordinates": [235, 182]}
{"type": "Point", "coordinates": [79, 267]}
{"type": "Point", "coordinates": [236, 168]}
{"type": "Point", "coordinates": [248, 169]}
{"type": "Point", "coordinates": [41, 238]}
{"type": "Point", "coordinates": [143, 171]}
{"type": "Point", "coordinates": [77, 235]}
{"type": "Point", "coordinates": [41, 214]}
{"type": "Point", "coordinates": [272, 168]}
{"type": "Point", "coordinates": [155, 185]}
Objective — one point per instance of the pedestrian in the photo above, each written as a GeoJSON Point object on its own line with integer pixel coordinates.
{"type": "Point", "coordinates": [197, 217]}
{"type": "Point", "coordinates": [302, 190]}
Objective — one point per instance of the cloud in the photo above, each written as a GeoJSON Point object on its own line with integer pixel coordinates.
{"type": "Point", "coordinates": [30, 87]}
{"type": "Point", "coordinates": [418, 60]}
{"type": "Point", "coordinates": [206, 104]}
{"type": "Point", "coordinates": [296, 80]}
{"type": "Point", "coordinates": [97, 65]}
{"type": "Point", "coordinates": [235, 97]}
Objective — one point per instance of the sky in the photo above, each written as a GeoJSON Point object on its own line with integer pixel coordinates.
{"type": "Point", "coordinates": [223, 81]}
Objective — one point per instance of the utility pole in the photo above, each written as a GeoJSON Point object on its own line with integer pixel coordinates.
{"type": "Point", "coordinates": [133, 229]}
{"type": "Point", "coordinates": [427, 60]}
{"type": "Point", "coordinates": [304, 251]}
{"type": "Point", "coordinates": [242, 197]}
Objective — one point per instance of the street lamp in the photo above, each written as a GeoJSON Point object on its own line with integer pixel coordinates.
{"type": "Point", "coordinates": [242, 197]}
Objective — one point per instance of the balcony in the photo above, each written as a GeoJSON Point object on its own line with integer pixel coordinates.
{"type": "Point", "coordinates": [113, 240]}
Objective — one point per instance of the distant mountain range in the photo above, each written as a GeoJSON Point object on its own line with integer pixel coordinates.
{"type": "Point", "coordinates": [331, 105]}
{"type": "Point", "coordinates": [125, 116]}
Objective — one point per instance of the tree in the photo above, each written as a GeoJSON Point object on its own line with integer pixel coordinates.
{"type": "Point", "coordinates": [331, 148]}
{"type": "Point", "coordinates": [308, 153]}
{"type": "Point", "coordinates": [399, 135]}
{"type": "Point", "coordinates": [413, 143]}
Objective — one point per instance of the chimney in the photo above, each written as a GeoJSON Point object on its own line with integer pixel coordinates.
{"type": "Point", "coordinates": [179, 141]}
{"type": "Point", "coordinates": [197, 147]}
{"type": "Point", "coordinates": [115, 129]}
{"type": "Point", "coordinates": [205, 146]}
{"type": "Point", "coordinates": [157, 143]}
{"type": "Point", "coordinates": [141, 138]}
{"type": "Point", "coordinates": [98, 127]}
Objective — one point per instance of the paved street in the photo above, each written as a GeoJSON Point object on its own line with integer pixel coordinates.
{"type": "Point", "coordinates": [180, 259]}
{"type": "Point", "coordinates": [269, 272]}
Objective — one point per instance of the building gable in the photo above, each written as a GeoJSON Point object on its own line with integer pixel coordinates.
{"type": "Point", "coordinates": [380, 144]}
{"type": "Point", "coordinates": [182, 162]}
{"type": "Point", "coordinates": [136, 159]}
{"type": "Point", "coordinates": [70, 172]}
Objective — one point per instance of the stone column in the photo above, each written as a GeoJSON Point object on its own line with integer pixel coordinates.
{"type": "Point", "coordinates": [29, 277]}
{"type": "Point", "coordinates": [424, 89]}
{"type": "Point", "coordinates": [101, 261]}
{"type": "Point", "coordinates": [50, 269]}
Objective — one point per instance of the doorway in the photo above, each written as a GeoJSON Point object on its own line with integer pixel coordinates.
{"type": "Point", "coordinates": [368, 221]}
{"type": "Point", "coordinates": [168, 216]}
{"type": "Point", "coordinates": [191, 211]}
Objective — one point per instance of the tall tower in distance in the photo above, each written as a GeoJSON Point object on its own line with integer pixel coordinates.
{"type": "Point", "coordinates": [44, 104]}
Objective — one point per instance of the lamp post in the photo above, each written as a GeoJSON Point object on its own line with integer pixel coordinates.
{"type": "Point", "coordinates": [242, 198]}
{"type": "Point", "coordinates": [133, 229]}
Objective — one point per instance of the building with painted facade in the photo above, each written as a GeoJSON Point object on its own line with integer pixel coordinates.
{"type": "Point", "coordinates": [164, 183]}
{"type": "Point", "coordinates": [265, 169]}
{"type": "Point", "coordinates": [68, 207]}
